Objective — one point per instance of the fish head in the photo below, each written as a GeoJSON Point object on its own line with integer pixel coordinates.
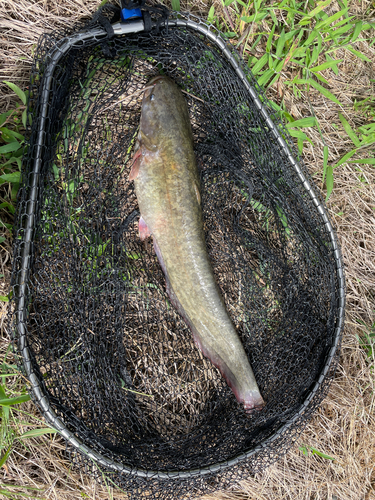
{"type": "Point", "coordinates": [157, 100]}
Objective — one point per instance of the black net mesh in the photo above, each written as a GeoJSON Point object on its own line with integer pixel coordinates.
{"type": "Point", "coordinates": [106, 352]}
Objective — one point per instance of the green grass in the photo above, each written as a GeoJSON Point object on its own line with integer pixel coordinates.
{"type": "Point", "coordinates": [12, 387]}
{"type": "Point", "coordinates": [13, 420]}
{"type": "Point", "coordinates": [296, 45]}
{"type": "Point", "coordinates": [12, 148]}
{"type": "Point", "coordinates": [307, 450]}
{"type": "Point", "coordinates": [367, 342]}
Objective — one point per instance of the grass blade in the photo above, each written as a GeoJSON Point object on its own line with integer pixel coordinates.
{"type": "Point", "coordinates": [349, 130]}
{"type": "Point", "coordinates": [14, 401]}
{"type": "Point", "coordinates": [24, 117]}
{"type": "Point", "coordinates": [269, 40]}
{"type": "Point", "coordinates": [260, 64]}
{"type": "Point", "coordinates": [329, 181]}
{"type": "Point", "coordinates": [21, 94]}
{"type": "Point", "coordinates": [265, 77]}
{"type": "Point", "coordinates": [320, 6]}
{"type": "Point", "coordinates": [368, 26]}
{"type": "Point", "coordinates": [13, 177]}
{"type": "Point", "coordinates": [211, 13]}
{"type": "Point", "coordinates": [366, 161]}
{"type": "Point", "coordinates": [298, 134]}
{"type": "Point", "coordinates": [346, 156]}
{"type": "Point", "coordinates": [321, 78]}
{"type": "Point", "coordinates": [304, 450]}
{"type": "Point", "coordinates": [11, 495]}
{"type": "Point", "coordinates": [326, 65]}
{"type": "Point", "coordinates": [8, 206]}
{"type": "Point", "coordinates": [335, 34]}
{"type": "Point", "coordinates": [280, 44]}
{"type": "Point", "coordinates": [37, 432]}
{"type": "Point", "coordinates": [311, 38]}
{"type": "Point", "coordinates": [320, 454]}
{"type": "Point", "coordinates": [5, 456]}
{"type": "Point", "coordinates": [321, 89]}
{"type": "Point", "coordinates": [331, 19]}
{"type": "Point", "coordinates": [309, 121]}
{"type": "Point", "coordinates": [176, 5]}
{"type": "Point", "coordinates": [334, 68]}
{"type": "Point", "coordinates": [358, 54]}
{"type": "Point", "coordinates": [9, 148]}
{"type": "Point", "coordinates": [357, 31]}
{"type": "Point", "coordinates": [10, 135]}
{"type": "Point", "coordinates": [325, 161]}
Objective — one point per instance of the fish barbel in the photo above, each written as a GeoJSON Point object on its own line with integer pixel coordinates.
{"type": "Point", "coordinates": [168, 191]}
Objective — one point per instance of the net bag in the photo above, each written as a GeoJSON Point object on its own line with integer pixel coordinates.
{"type": "Point", "coordinates": [112, 365]}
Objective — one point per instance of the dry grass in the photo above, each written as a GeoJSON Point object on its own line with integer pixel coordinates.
{"type": "Point", "coordinates": [344, 426]}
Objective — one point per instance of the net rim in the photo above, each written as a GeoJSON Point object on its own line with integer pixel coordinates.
{"type": "Point", "coordinates": [20, 288]}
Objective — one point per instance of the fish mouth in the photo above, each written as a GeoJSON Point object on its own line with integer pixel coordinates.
{"type": "Point", "coordinates": [149, 89]}
{"type": "Point", "coordinates": [155, 79]}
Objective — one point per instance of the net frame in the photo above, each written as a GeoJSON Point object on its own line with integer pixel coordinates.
{"type": "Point", "coordinates": [20, 287]}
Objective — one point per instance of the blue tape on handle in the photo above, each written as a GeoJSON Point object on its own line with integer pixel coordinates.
{"type": "Point", "coordinates": [127, 14]}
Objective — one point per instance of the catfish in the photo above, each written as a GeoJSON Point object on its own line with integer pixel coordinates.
{"type": "Point", "coordinates": [167, 187]}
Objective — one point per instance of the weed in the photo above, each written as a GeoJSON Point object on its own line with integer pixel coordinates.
{"type": "Point", "coordinates": [12, 148]}
{"type": "Point", "coordinates": [309, 449]}
{"type": "Point", "coordinates": [367, 341]}
{"type": "Point", "coordinates": [12, 388]}
{"type": "Point", "coordinates": [12, 491]}
{"type": "Point", "coordinates": [296, 46]}
{"type": "Point", "coordinates": [12, 394]}
{"type": "Point", "coordinates": [366, 107]}
{"type": "Point", "coordinates": [365, 141]}
{"type": "Point", "coordinates": [176, 5]}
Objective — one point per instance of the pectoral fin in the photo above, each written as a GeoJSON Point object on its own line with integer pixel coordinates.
{"type": "Point", "coordinates": [144, 231]}
{"type": "Point", "coordinates": [136, 164]}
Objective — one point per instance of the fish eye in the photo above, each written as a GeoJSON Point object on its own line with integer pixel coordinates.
{"type": "Point", "coordinates": [152, 97]}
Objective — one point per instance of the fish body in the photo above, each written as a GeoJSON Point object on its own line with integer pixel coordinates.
{"type": "Point", "coordinates": [167, 186]}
